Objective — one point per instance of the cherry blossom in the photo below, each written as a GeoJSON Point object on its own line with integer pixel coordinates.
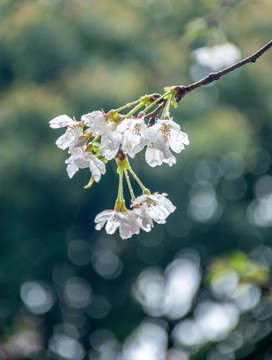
{"type": "Point", "coordinates": [72, 135]}
{"type": "Point", "coordinates": [133, 136]}
{"type": "Point", "coordinates": [163, 135]}
{"type": "Point", "coordinates": [97, 122]}
{"type": "Point", "coordinates": [81, 159]}
{"type": "Point", "coordinates": [126, 222]}
{"type": "Point", "coordinates": [154, 207]}
{"type": "Point", "coordinates": [110, 144]}
{"type": "Point", "coordinates": [144, 220]}
{"type": "Point", "coordinates": [110, 138]}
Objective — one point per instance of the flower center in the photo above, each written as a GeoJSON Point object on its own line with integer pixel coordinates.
{"type": "Point", "coordinates": [151, 202]}
{"type": "Point", "coordinates": [165, 130]}
{"type": "Point", "coordinates": [136, 130]}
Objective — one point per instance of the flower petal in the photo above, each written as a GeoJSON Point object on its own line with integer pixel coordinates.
{"type": "Point", "coordinates": [102, 218]}
{"type": "Point", "coordinates": [97, 122]}
{"type": "Point", "coordinates": [61, 121]}
{"type": "Point", "coordinates": [177, 140]}
{"type": "Point", "coordinates": [153, 156]}
{"type": "Point", "coordinates": [112, 225]}
{"type": "Point", "coordinates": [65, 140]}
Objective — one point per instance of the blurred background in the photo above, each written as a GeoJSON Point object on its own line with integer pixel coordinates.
{"type": "Point", "coordinates": [198, 287]}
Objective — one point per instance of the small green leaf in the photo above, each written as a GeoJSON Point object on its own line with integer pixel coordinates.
{"type": "Point", "coordinates": [174, 102]}
{"type": "Point", "coordinates": [90, 183]}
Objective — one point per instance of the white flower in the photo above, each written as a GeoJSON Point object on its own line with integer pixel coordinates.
{"type": "Point", "coordinates": [154, 207]}
{"type": "Point", "coordinates": [71, 138]}
{"type": "Point", "coordinates": [128, 136]}
{"type": "Point", "coordinates": [144, 220]}
{"type": "Point", "coordinates": [127, 223]}
{"type": "Point", "coordinates": [97, 122]}
{"type": "Point", "coordinates": [81, 160]}
{"type": "Point", "coordinates": [110, 144]}
{"type": "Point", "coordinates": [73, 133]}
{"type": "Point", "coordinates": [133, 136]}
{"type": "Point", "coordinates": [61, 121]}
{"type": "Point", "coordinates": [163, 135]}
{"type": "Point", "coordinates": [110, 138]}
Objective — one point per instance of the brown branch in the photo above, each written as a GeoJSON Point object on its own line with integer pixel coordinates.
{"type": "Point", "coordinates": [183, 90]}
{"type": "Point", "coordinates": [156, 111]}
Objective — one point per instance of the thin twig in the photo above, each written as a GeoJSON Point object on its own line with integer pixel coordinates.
{"type": "Point", "coordinates": [183, 90]}
{"type": "Point", "coordinates": [156, 111]}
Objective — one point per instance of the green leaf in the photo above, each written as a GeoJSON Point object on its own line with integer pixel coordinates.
{"type": "Point", "coordinates": [174, 102]}
{"type": "Point", "coordinates": [90, 183]}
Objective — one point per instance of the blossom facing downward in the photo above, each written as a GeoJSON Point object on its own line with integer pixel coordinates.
{"type": "Point", "coordinates": [154, 207]}
{"type": "Point", "coordinates": [76, 140]}
{"type": "Point", "coordinates": [133, 136]}
{"type": "Point", "coordinates": [83, 160]}
{"type": "Point", "coordinates": [127, 223]}
{"type": "Point", "coordinates": [110, 144]}
{"type": "Point", "coordinates": [72, 134]}
{"type": "Point", "coordinates": [146, 208]}
{"type": "Point", "coordinates": [110, 138]}
{"type": "Point", "coordinates": [163, 135]}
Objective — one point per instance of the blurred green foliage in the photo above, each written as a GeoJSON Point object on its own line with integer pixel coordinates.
{"type": "Point", "coordinates": [66, 290]}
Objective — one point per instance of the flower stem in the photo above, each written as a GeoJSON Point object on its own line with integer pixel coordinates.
{"type": "Point", "coordinates": [94, 140]}
{"type": "Point", "coordinates": [137, 107]}
{"type": "Point", "coordinates": [154, 102]}
{"type": "Point", "coordinates": [120, 196]}
{"type": "Point", "coordinates": [129, 186]}
{"type": "Point", "coordinates": [127, 105]}
{"type": "Point", "coordinates": [165, 111]}
{"type": "Point", "coordinates": [144, 189]}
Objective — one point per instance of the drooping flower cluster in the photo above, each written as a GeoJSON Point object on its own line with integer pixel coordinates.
{"type": "Point", "coordinates": [146, 209]}
{"type": "Point", "coordinates": [100, 137]}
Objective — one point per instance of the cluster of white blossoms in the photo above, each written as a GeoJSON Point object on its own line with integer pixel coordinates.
{"type": "Point", "coordinates": [100, 137]}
